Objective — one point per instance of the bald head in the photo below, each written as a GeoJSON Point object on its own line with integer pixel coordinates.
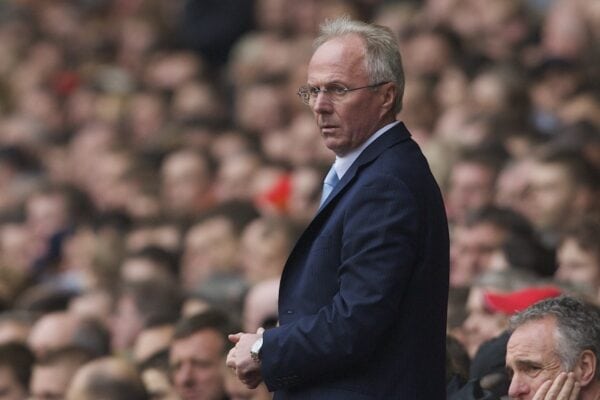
{"type": "Point", "coordinates": [107, 378]}
{"type": "Point", "coordinates": [51, 332]}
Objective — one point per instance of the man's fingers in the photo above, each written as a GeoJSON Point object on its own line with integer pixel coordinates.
{"type": "Point", "coordinates": [563, 387]}
{"type": "Point", "coordinates": [235, 337]}
{"type": "Point", "coordinates": [575, 392]}
{"type": "Point", "coordinates": [542, 391]}
{"type": "Point", "coordinates": [230, 363]}
{"type": "Point", "coordinates": [567, 387]}
{"type": "Point", "coordinates": [557, 386]}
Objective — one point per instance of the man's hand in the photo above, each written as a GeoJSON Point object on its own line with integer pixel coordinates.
{"type": "Point", "coordinates": [239, 359]}
{"type": "Point", "coordinates": [563, 387]}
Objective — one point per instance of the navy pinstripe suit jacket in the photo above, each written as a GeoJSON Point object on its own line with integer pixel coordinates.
{"type": "Point", "coordinates": [363, 295]}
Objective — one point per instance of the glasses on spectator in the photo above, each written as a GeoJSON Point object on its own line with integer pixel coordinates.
{"type": "Point", "coordinates": [334, 91]}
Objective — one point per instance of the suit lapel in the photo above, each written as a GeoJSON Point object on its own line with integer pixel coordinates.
{"type": "Point", "coordinates": [395, 135]}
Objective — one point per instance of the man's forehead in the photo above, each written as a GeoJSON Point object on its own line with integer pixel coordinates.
{"type": "Point", "coordinates": [201, 340]}
{"type": "Point", "coordinates": [531, 340]}
{"type": "Point", "coordinates": [337, 58]}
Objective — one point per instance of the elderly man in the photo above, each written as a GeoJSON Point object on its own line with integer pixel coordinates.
{"type": "Point", "coordinates": [362, 301]}
{"type": "Point", "coordinates": [553, 351]}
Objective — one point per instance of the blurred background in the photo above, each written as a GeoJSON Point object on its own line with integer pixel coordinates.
{"type": "Point", "coordinates": [155, 161]}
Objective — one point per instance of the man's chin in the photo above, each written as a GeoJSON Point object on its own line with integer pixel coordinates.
{"type": "Point", "coordinates": [335, 146]}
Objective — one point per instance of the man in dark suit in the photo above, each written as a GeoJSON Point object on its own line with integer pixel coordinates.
{"type": "Point", "coordinates": [362, 302]}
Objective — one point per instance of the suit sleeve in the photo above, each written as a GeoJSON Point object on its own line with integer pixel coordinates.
{"type": "Point", "coordinates": [378, 255]}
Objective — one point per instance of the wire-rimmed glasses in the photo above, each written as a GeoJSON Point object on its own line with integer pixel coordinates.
{"type": "Point", "coordinates": [335, 91]}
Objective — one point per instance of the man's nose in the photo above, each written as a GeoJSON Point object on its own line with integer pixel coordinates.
{"type": "Point", "coordinates": [517, 388]}
{"type": "Point", "coordinates": [184, 374]}
{"type": "Point", "coordinates": [322, 103]}
{"type": "Point", "coordinates": [470, 324]}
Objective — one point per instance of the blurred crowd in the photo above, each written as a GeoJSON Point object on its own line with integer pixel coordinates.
{"type": "Point", "coordinates": [156, 167]}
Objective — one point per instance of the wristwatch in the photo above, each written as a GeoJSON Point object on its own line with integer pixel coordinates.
{"type": "Point", "coordinates": [255, 350]}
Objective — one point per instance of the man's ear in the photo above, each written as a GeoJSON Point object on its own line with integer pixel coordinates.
{"type": "Point", "coordinates": [389, 97]}
{"type": "Point", "coordinates": [586, 367]}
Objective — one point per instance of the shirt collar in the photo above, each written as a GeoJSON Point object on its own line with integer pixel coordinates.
{"type": "Point", "coordinates": [342, 164]}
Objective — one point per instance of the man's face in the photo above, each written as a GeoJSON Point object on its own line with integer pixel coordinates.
{"type": "Point", "coordinates": [46, 214]}
{"type": "Point", "coordinates": [126, 324]}
{"type": "Point", "coordinates": [50, 382]}
{"type": "Point", "coordinates": [482, 324]}
{"type": "Point", "coordinates": [471, 251]}
{"type": "Point", "coordinates": [531, 357]}
{"type": "Point", "coordinates": [349, 122]}
{"type": "Point", "coordinates": [184, 179]}
{"type": "Point", "coordinates": [577, 265]}
{"type": "Point", "coordinates": [471, 187]}
{"type": "Point", "coordinates": [197, 364]}
{"type": "Point", "coordinates": [10, 388]}
{"type": "Point", "coordinates": [551, 195]}
{"type": "Point", "coordinates": [209, 247]}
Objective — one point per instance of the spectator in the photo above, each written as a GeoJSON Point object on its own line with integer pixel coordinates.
{"type": "Point", "coordinates": [209, 248]}
{"type": "Point", "coordinates": [107, 378]}
{"type": "Point", "coordinates": [185, 183]}
{"type": "Point", "coordinates": [52, 374]}
{"type": "Point", "coordinates": [562, 187]}
{"type": "Point", "coordinates": [472, 181]}
{"type": "Point", "coordinates": [197, 356]}
{"type": "Point", "coordinates": [137, 304]}
{"type": "Point", "coordinates": [48, 218]}
{"type": "Point", "coordinates": [558, 339]}
{"type": "Point", "coordinates": [153, 339]}
{"type": "Point", "coordinates": [264, 246]}
{"type": "Point", "coordinates": [579, 256]}
{"type": "Point", "coordinates": [512, 185]}
{"type": "Point", "coordinates": [52, 332]}
{"type": "Point", "coordinates": [475, 242]}
{"type": "Point", "coordinates": [488, 311]}
{"type": "Point", "coordinates": [155, 374]}
{"type": "Point", "coordinates": [488, 367]}
{"type": "Point", "coordinates": [94, 304]}
{"type": "Point", "coordinates": [15, 326]}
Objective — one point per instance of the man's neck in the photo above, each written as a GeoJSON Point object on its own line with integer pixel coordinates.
{"type": "Point", "coordinates": [387, 119]}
